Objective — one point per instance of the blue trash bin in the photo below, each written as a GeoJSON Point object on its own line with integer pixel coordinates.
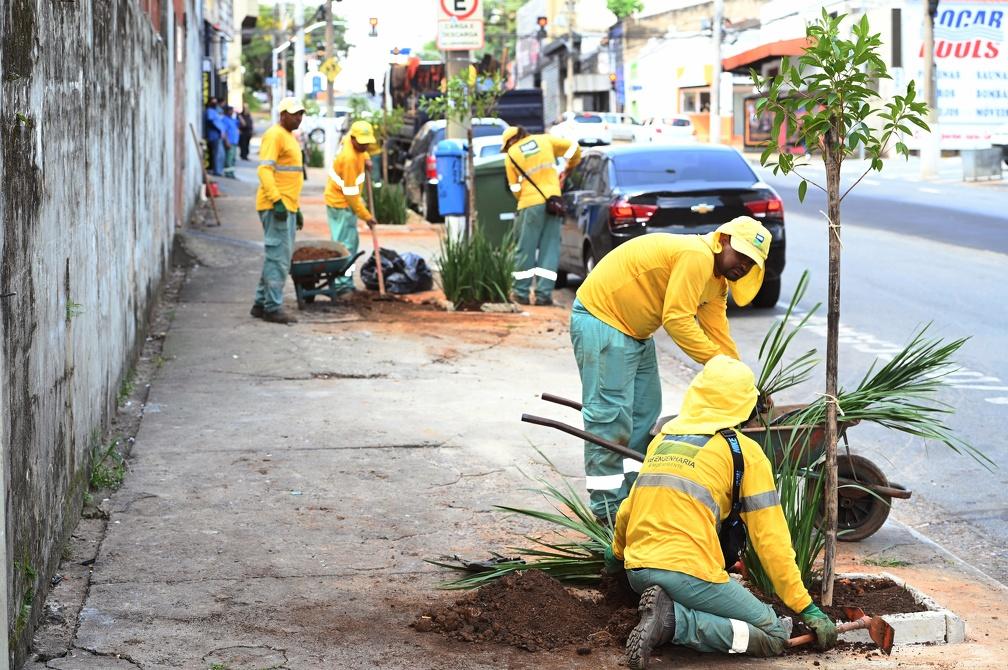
{"type": "Point", "coordinates": [451, 189]}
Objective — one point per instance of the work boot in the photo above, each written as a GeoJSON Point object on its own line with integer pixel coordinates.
{"type": "Point", "coordinates": [545, 302]}
{"type": "Point", "coordinates": [279, 316]}
{"type": "Point", "coordinates": [520, 299]}
{"type": "Point", "coordinates": [257, 311]}
{"type": "Point", "coordinates": [656, 627]}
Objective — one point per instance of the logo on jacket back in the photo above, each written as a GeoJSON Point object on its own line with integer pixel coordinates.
{"type": "Point", "coordinates": [528, 148]}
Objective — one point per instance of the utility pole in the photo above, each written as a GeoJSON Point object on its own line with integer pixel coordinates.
{"type": "Point", "coordinates": [569, 80]}
{"type": "Point", "coordinates": [299, 50]}
{"type": "Point", "coordinates": [717, 28]}
{"type": "Point", "coordinates": [930, 149]}
{"type": "Point", "coordinates": [330, 99]}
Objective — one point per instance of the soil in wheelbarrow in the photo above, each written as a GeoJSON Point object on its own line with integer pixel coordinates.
{"type": "Point", "coordinates": [532, 611]}
{"type": "Point", "coordinates": [318, 254]}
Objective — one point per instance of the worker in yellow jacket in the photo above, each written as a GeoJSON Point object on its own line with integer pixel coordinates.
{"type": "Point", "coordinates": [533, 176]}
{"type": "Point", "coordinates": [281, 176]}
{"type": "Point", "coordinates": [343, 197]}
{"type": "Point", "coordinates": [679, 282]}
{"type": "Point", "coordinates": [666, 531]}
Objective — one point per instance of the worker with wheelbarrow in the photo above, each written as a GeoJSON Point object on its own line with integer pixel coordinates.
{"type": "Point", "coordinates": [679, 282]}
{"type": "Point", "coordinates": [344, 204]}
{"type": "Point", "coordinates": [700, 475]}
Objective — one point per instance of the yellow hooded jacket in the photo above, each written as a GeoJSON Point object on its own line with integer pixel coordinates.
{"type": "Point", "coordinates": [663, 280]}
{"type": "Point", "coordinates": [280, 173]}
{"type": "Point", "coordinates": [537, 154]}
{"type": "Point", "coordinates": [346, 178]}
{"type": "Point", "coordinates": [683, 490]}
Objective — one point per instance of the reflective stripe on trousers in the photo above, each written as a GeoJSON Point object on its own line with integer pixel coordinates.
{"type": "Point", "coordinates": [538, 252]}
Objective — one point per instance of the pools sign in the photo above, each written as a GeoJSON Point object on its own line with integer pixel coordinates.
{"type": "Point", "coordinates": [971, 59]}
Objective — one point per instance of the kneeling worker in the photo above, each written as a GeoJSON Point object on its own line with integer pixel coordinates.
{"type": "Point", "coordinates": [344, 204]}
{"type": "Point", "coordinates": [666, 534]}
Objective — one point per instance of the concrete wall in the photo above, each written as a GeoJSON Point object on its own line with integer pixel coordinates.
{"type": "Point", "coordinates": [87, 216]}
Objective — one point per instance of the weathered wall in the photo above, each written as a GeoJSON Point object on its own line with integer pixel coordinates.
{"type": "Point", "coordinates": [87, 215]}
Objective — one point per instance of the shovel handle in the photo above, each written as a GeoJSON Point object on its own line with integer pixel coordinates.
{"type": "Point", "coordinates": [573, 404]}
{"type": "Point", "coordinates": [374, 238]}
{"type": "Point", "coordinates": [841, 628]}
{"type": "Point", "coordinates": [625, 452]}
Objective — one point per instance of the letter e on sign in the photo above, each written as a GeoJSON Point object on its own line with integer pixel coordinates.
{"type": "Point", "coordinates": [460, 9]}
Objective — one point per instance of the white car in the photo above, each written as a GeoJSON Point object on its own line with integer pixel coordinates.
{"type": "Point", "coordinates": [666, 130]}
{"type": "Point", "coordinates": [623, 126]}
{"type": "Point", "coordinates": [486, 146]}
{"type": "Point", "coordinates": [585, 128]}
{"type": "Point", "coordinates": [315, 127]}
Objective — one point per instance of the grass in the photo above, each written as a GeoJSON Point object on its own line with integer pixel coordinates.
{"type": "Point", "coordinates": [73, 309]}
{"type": "Point", "coordinates": [29, 574]}
{"type": "Point", "coordinates": [887, 562]}
{"type": "Point", "coordinates": [126, 388]}
{"type": "Point", "coordinates": [316, 157]}
{"type": "Point", "coordinates": [108, 469]}
{"type": "Point", "coordinates": [475, 271]}
{"type": "Point", "coordinates": [390, 206]}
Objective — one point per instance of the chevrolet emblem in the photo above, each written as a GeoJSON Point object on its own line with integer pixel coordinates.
{"type": "Point", "coordinates": [702, 208]}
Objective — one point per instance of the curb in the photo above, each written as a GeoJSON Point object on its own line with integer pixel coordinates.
{"type": "Point", "coordinates": [937, 625]}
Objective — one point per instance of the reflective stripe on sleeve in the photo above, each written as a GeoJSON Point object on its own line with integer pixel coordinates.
{"type": "Point", "coordinates": [515, 188]}
{"type": "Point", "coordinates": [760, 501]}
{"type": "Point", "coordinates": [604, 483]}
{"type": "Point", "coordinates": [351, 190]}
{"type": "Point", "coordinates": [570, 151]}
{"type": "Point", "coordinates": [740, 637]}
{"type": "Point", "coordinates": [630, 465]}
{"type": "Point", "coordinates": [360, 179]}
{"type": "Point", "coordinates": [683, 485]}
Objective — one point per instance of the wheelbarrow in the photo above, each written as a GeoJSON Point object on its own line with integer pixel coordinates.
{"type": "Point", "coordinates": [318, 276]}
{"type": "Point", "coordinates": [864, 494]}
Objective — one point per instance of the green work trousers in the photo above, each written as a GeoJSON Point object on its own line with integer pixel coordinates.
{"type": "Point", "coordinates": [716, 617]}
{"type": "Point", "coordinates": [230, 158]}
{"type": "Point", "coordinates": [278, 238]}
{"type": "Point", "coordinates": [343, 229]}
{"type": "Point", "coordinates": [538, 252]}
{"type": "Point", "coordinates": [621, 398]}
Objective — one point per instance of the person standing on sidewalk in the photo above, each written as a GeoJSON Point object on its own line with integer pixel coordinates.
{"type": "Point", "coordinates": [230, 123]}
{"type": "Point", "coordinates": [246, 127]}
{"type": "Point", "coordinates": [344, 204]}
{"type": "Point", "coordinates": [666, 534]}
{"type": "Point", "coordinates": [214, 137]}
{"type": "Point", "coordinates": [679, 282]}
{"type": "Point", "coordinates": [534, 178]}
{"type": "Point", "coordinates": [277, 201]}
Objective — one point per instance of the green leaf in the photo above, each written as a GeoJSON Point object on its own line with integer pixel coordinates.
{"type": "Point", "coordinates": [802, 188]}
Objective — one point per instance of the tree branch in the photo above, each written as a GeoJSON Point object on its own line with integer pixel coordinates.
{"type": "Point", "coordinates": [810, 181]}
{"type": "Point", "coordinates": [855, 184]}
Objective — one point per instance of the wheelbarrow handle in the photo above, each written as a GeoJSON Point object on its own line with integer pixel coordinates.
{"type": "Point", "coordinates": [573, 404]}
{"type": "Point", "coordinates": [625, 452]}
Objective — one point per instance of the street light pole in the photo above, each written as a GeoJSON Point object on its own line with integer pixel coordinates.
{"type": "Point", "coordinates": [569, 80]}
{"type": "Point", "coordinates": [930, 149]}
{"type": "Point", "coordinates": [330, 98]}
{"type": "Point", "coordinates": [715, 94]}
{"type": "Point", "coordinates": [299, 50]}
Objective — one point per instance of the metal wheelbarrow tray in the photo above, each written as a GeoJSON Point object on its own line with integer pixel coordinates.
{"type": "Point", "coordinates": [318, 276]}
{"type": "Point", "coordinates": [864, 494]}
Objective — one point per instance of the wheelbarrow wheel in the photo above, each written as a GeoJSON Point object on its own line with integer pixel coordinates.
{"type": "Point", "coordinates": [860, 513]}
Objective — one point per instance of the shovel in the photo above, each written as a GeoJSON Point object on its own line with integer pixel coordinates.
{"type": "Point", "coordinates": [880, 632]}
{"type": "Point", "coordinates": [374, 238]}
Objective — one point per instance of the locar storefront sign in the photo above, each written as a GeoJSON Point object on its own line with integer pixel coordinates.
{"type": "Point", "coordinates": [971, 63]}
{"type": "Point", "coordinates": [460, 25]}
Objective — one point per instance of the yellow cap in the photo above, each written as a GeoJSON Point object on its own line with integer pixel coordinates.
{"type": "Point", "coordinates": [291, 105]}
{"type": "Point", "coordinates": [749, 237]}
{"type": "Point", "coordinates": [722, 395]}
{"type": "Point", "coordinates": [508, 133]}
{"type": "Point", "coordinates": [362, 132]}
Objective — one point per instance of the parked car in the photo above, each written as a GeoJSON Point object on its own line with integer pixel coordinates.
{"type": "Point", "coordinates": [490, 145]}
{"type": "Point", "coordinates": [420, 177]}
{"type": "Point", "coordinates": [315, 126]}
{"type": "Point", "coordinates": [666, 130]}
{"type": "Point", "coordinates": [622, 192]}
{"type": "Point", "coordinates": [623, 126]}
{"type": "Point", "coordinates": [585, 128]}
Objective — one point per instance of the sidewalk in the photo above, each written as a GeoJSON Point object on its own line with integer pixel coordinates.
{"type": "Point", "coordinates": [287, 483]}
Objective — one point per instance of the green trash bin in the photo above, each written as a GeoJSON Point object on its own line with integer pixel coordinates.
{"type": "Point", "coordinates": [495, 204]}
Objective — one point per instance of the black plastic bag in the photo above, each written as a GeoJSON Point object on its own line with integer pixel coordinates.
{"type": "Point", "coordinates": [407, 273]}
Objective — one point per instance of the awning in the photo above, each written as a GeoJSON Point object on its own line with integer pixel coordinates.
{"type": "Point", "coordinates": [754, 57]}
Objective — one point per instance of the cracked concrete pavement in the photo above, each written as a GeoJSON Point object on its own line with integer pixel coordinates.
{"type": "Point", "coordinates": [287, 484]}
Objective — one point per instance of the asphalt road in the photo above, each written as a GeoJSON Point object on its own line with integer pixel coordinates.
{"type": "Point", "coordinates": [910, 258]}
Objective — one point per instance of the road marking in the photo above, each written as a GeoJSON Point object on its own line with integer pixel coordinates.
{"type": "Point", "coordinates": [1003, 400]}
{"type": "Point", "coordinates": [871, 182]}
{"type": "Point", "coordinates": [925, 189]}
{"type": "Point", "coordinates": [980, 387]}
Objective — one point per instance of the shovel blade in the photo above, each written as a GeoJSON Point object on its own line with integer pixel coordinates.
{"type": "Point", "coordinates": [881, 634]}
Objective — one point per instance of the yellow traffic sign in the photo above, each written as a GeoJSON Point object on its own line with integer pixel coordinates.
{"type": "Point", "coordinates": [331, 68]}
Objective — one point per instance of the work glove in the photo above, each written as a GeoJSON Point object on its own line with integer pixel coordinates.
{"type": "Point", "coordinates": [824, 629]}
{"type": "Point", "coordinates": [300, 220]}
{"type": "Point", "coordinates": [371, 224]}
{"type": "Point", "coordinates": [279, 211]}
{"type": "Point", "coordinates": [613, 565]}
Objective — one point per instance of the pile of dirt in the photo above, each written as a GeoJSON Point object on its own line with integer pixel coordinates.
{"type": "Point", "coordinates": [318, 254]}
{"type": "Point", "coordinates": [532, 611]}
{"type": "Point", "coordinates": [875, 596]}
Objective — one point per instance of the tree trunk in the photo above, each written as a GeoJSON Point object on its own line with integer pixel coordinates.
{"type": "Point", "coordinates": [384, 162]}
{"type": "Point", "coordinates": [470, 181]}
{"type": "Point", "coordinates": [833, 155]}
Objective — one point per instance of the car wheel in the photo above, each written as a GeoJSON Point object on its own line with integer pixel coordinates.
{"type": "Point", "coordinates": [430, 206]}
{"type": "Point", "coordinates": [317, 136]}
{"type": "Point", "coordinates": [768, 294]}
{"type": "Point", "coordinates": [589, 260]}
